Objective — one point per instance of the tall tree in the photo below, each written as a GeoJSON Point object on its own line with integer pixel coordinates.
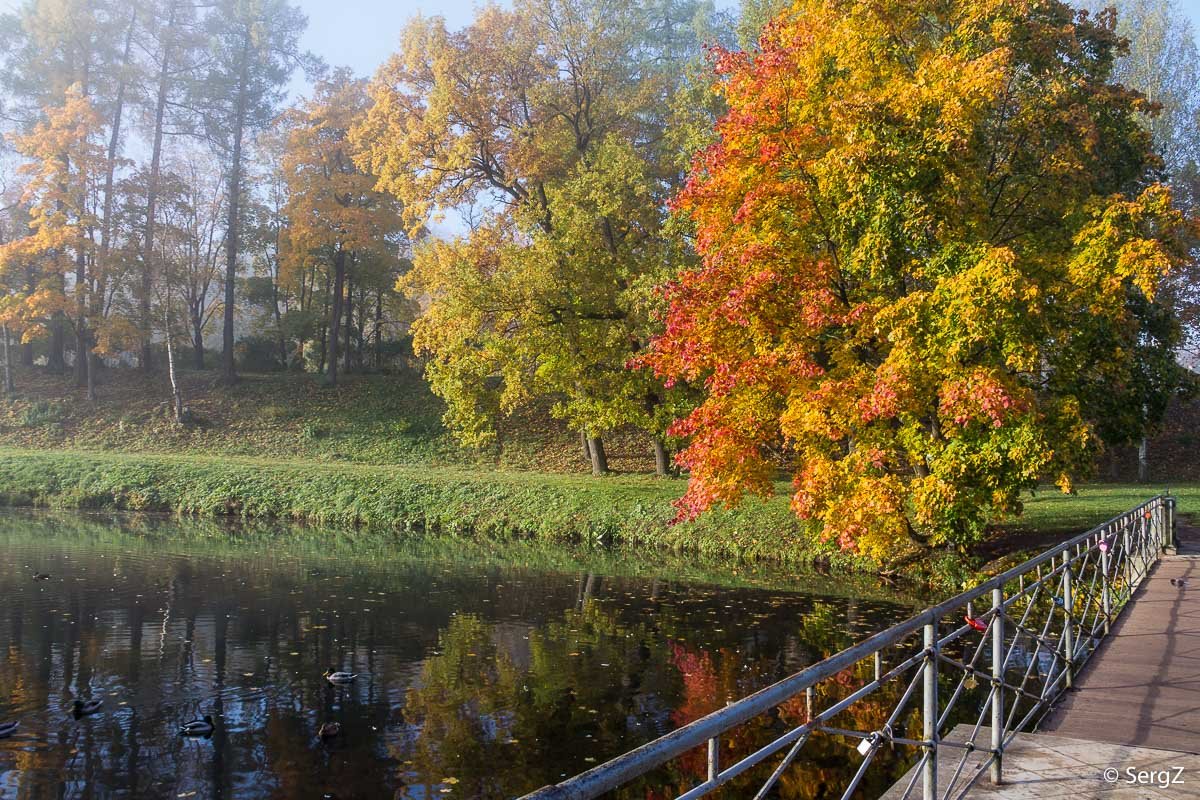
{"type": "Point", "coordinates": [49, 46]}
{"type": "Point", "coordinates": [556, 114]}
{"type": "Point", "coordinates": [255, 47]}
{"type": "Point", "coordinates": [1163, 63]}
{"type": "Point", "coordinates": [927, 228]}
{"type": "Point", "coordinates": [336, 215]}
{"type": "Point", "coordinates": [65, 171]}
{"type": "Point", "coordinates": [173, 50]}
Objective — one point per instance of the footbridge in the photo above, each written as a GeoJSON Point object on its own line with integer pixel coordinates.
{"type": "Point", "coordinates": [1075, 674]}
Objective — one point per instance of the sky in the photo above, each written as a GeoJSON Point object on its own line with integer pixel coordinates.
{"type": "Point", "coordinates": [361, 34]}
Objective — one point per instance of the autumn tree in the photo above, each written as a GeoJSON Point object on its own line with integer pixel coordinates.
{"type": "Point", "coordinates": [1163, 63]}
{"type": "Point", "coordinates": [551, 120]}
{"type": "Point", "coordinates": [335, 214]}
{"type": "Point", "coordinates": [927, 230]}
{"type": "Point", "coordinates": [254, 48]}
{"type": "Point", "coordinates": [48, 46]}
{"type": "Point", "coordinates": [64, 172]}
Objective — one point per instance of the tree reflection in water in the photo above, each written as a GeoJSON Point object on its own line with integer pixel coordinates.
{"type": "Point", "coordinates": [488, 670]}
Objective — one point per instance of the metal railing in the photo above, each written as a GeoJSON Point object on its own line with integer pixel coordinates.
{"type": "Point", "coordinates": [986, 665]}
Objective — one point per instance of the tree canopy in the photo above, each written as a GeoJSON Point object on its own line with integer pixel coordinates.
{"type": "Point", "coordinates": [928, 231]}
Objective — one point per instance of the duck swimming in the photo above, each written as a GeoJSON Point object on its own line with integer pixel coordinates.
{"type": "Point", "coordinates": [329, 730]}
{"type": "Point", "coordinates": [197, 727]}
{"type": "Point", "coordinates": [7, 729]}
{"type": "Point", "coordinates": [83, 709]}
{"type": "Point", "coordinates": [41, 576]}
{"type": "Point", "coordinates": [339, 677]}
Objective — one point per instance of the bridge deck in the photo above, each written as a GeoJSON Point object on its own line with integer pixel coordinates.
{"type": "Point", "coordinates": [1142, 687]}
{"type": "Point", "coordinates": [1135, 708]}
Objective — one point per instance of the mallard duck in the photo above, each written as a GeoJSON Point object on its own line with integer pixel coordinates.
{"type": "Point", "coordinates": [329, 730]}
{"type": "Point", "coordinates": [41, 576]}
{"type": "Point", "coordinates": [197, 727]}
{"type": "Point", "coordinates": [7, 729]}
{"type": "Point", "coordinates": [82, 709]}
{"type": "Point", "coordinates": [339, 677]}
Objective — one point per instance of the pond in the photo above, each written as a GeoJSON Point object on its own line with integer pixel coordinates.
{"type": "Point", "coordinates": [486, 670]}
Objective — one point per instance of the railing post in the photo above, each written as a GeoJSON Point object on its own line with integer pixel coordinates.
{"type": "Point", "coordinates": [1105, 593]}
{"type": "Point", "coordinates": [929, 714]}
{"type": "Point", "coordinates": [1068, 627]}
{"type": "Point", "coordinates": [997, 684]}
{"type": "Point", "coordinates": [1128, 566]}
{"type": "Point", "coordinates": [1172, 543]}
{"type": "Point", "coordinates": [714, 759]}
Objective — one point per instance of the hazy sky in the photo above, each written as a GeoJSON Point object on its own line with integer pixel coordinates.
{"type": "Point", "coordinates": [360, 34]}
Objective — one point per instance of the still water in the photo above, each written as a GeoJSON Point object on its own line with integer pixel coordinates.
{"type": "Point", "coordinates": [486, 670]}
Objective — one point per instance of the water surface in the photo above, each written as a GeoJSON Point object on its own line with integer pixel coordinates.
{"type": "Point", "coordinates": [488, 670]}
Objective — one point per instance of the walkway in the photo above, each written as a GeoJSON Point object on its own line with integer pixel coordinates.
{"type": "Point", "coordinates": [1135, 708]}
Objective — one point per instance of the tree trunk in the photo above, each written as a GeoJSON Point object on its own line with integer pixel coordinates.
{"type": "Point", "coordinates": [360, 330]}
{"type": "Point", "coordinates": [228, 369]}
{"type": "Point", "coordinates": [587, 450]}
{"type": "Point", "coordinates": [56, 362]}
{"type": "Point", "coordinates": [197, 341]}
{"type": "Point", "coordinates": [176, 394]}
{"type": "Point", "coordinates": [349, 353]}
{"type": "Point", "coordinates": [81, 311]}
{"type": "Point", "coordinates": [662, 459]}
{"type": "Point", "coordinates": [92, 361]}
{"type": "Point", "coordinates": [378, 334]}
{"type": "Point", "coordinates": [9, 386]}
{"type": "Point", "coordinates": [335, 315]}
{"type": "Point", "coordinates": [160, 107]}
{"type": "Point", "coordinates": [100, 267]}
{"type": "Point", "coordinates": [31, 281]}
{"type": "Point", "coordinates": [599, 459]}
{"type": "Point", "coordinates": [324, 329]}
{"type": "Point", "coordinates": [282, 342]}
{"type": "Point", "coordinates": [1144, 460]}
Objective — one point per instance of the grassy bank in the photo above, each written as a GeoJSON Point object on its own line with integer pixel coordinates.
{"type": "Point", "coordinates": [502, 505]}
{"type": "Point", "coordinates": [627, 510]}
{"type": "Point", "coordinates": [373, 452]}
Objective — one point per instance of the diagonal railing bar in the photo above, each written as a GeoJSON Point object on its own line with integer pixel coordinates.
{"type": "Point", "coordinates": [986, 664]}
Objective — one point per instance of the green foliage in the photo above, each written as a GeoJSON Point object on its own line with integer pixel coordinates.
{"type": "Point", "coordinates": [42, 413]}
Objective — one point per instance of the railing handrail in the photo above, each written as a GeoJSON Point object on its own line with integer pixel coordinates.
{"type": "Point", "coordinates": [618, 771]}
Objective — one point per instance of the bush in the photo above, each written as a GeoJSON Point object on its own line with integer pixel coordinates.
{"type": "Point", "coordinates": [43, 413]}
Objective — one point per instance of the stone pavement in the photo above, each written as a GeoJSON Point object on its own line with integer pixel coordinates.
{"type": "Point", "coordinates": [1041, 766]}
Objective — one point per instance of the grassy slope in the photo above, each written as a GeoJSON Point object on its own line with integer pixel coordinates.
{"type": "Point", "coordinates": [374, 452]}
{"type": "Point", "coordinates": [391, 419]}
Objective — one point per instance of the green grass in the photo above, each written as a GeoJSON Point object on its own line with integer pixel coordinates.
{"type": "Point", "coordinates": [373, 452]}
{"type": "Point", "coordinates": [629, 510]}
{"type": "Point", "coordinates": [368, 419]}
{"type": "Point", "coordinates": [501, 506]}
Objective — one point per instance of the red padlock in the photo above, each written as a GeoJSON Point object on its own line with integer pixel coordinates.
{"type": "Point", "coordinates": [978, 625]}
